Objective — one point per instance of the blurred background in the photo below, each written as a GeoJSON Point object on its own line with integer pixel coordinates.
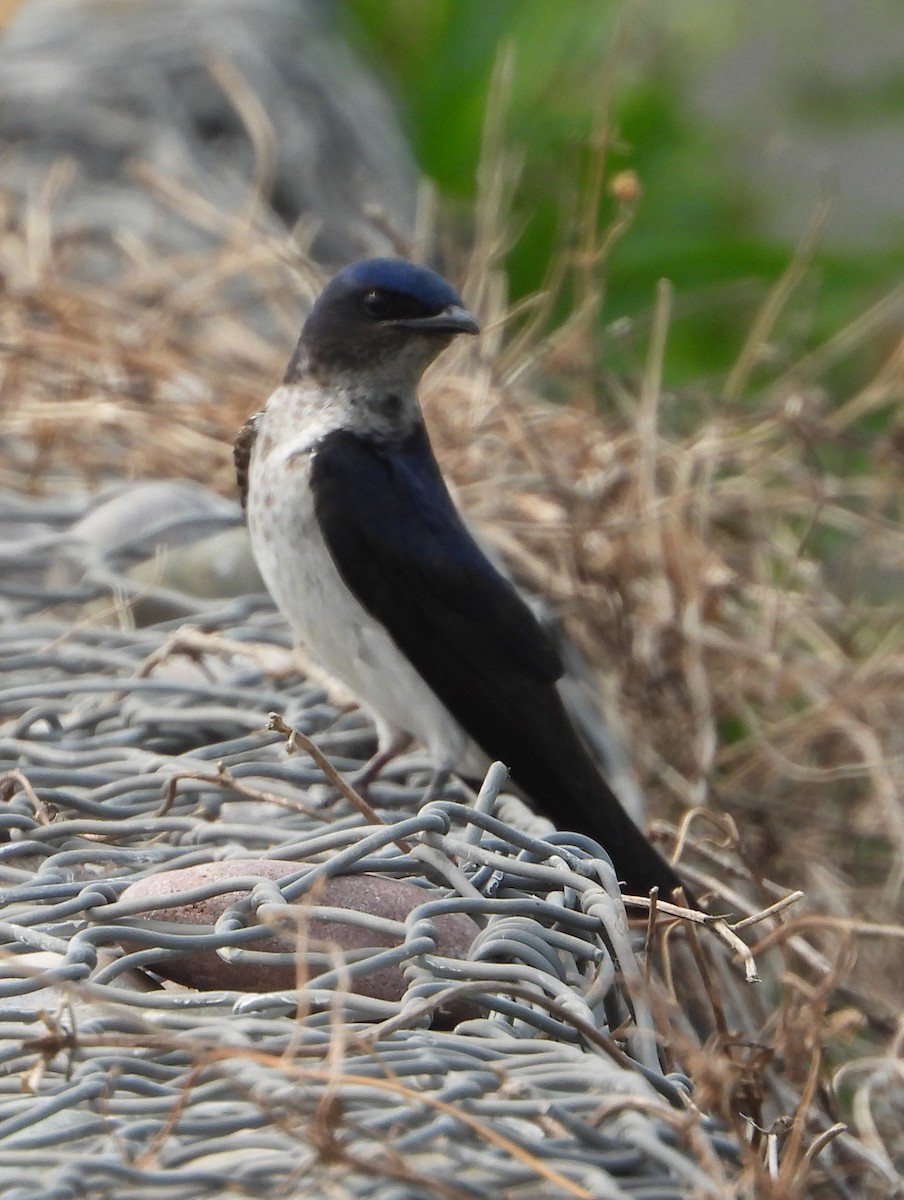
{"type": "Point", "coordinates": [745, 124]}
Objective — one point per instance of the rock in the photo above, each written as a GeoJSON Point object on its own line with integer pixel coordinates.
{"type": "Point", "coordinates": [377, 895]}
{"type": "Point", "coordinates": [173, 88]}
{"type": "Point", "coordinates": [215, 567]}
{"type": "Point", "coordinates": [139, 520]}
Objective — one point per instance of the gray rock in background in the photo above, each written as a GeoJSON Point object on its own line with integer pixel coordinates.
{"type": "Point", "coordinates": [110, 85]}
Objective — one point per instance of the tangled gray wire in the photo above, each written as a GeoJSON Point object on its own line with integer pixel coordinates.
{"type": "Point", "coordinates": [523, 1065]}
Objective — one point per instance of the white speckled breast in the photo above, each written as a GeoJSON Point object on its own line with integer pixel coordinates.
{"type": "Point", "coordinates": [307, 588]}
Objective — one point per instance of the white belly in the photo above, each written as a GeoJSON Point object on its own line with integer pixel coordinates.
{"type": "Point", "coordinates": [303, 580]}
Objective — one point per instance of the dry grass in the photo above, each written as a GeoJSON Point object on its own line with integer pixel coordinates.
{"type": "Point", "coordinates": [738, 596]}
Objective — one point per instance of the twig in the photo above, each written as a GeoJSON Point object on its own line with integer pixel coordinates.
{"type": "Point", "coordinates": [296, 740]}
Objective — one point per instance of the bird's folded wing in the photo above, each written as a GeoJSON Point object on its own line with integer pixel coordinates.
{"type": "Point", "coordinates": [402, 549]}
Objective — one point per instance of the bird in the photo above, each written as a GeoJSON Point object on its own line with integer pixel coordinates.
{"type": "Point", "coordinates": [364, 552]}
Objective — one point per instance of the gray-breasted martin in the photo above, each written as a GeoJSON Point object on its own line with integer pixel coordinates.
{"type": "Point", "coordinates": [365, 554]}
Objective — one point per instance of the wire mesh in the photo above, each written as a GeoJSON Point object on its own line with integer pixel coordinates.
{"type": "Point", "coordinates": [525, 1065]}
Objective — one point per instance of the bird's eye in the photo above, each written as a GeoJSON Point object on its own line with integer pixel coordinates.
{"type": "Point", "coordinates": [377, 304]}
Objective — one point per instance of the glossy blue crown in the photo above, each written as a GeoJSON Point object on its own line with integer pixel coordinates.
{"type": "Point", "coordinates": [399, 275]}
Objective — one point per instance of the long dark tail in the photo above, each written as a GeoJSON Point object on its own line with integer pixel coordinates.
{"type": "Point", "coordinates": [558, 776]}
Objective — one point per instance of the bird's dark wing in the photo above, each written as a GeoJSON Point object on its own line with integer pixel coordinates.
{"type": "Point", "coordinates": [402, 549]}
{"type": "Point", "coordinates": [241, 454]}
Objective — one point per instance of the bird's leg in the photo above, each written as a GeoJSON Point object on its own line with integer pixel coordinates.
{"type": "Point", "coordinates": [397, 742]}
{"type": "Point", "coordinates": [437, 785]}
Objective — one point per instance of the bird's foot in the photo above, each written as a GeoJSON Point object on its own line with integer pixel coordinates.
{"type": "Point", "coordinates": [362, 779]}
{"type": "Point", "coordinates": [437, 786]}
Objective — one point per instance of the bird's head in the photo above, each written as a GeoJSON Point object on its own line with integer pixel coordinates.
{"type": "Point", "coordinates": [384, 315]}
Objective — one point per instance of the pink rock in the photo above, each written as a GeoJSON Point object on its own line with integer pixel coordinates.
{"type": "Point", "coordinates": [378, 895]}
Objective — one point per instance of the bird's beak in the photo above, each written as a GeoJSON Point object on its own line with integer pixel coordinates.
{"type": "Point", "coordinates": [452, 319]}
